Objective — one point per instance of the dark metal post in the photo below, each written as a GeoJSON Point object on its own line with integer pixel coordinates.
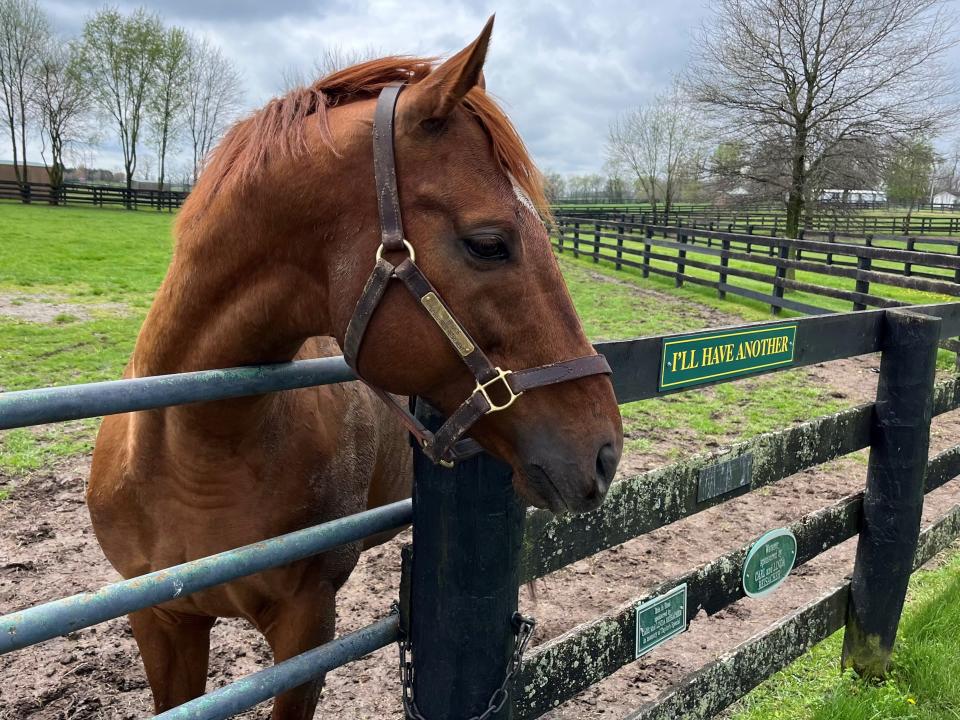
{"type": "Point", "coordinates": [621, 230]}
{"type": "Point", "coordinates": [467, 529]}
{"type": "Point", "coordinates": [648, 232]}
{"type": "Point", "coordinates": [780, 275]}
{"type": "Point", "coordinates": [681, 256]}
{"type": "Point", "coordinates": [863, 285]}
{"type": "Point", "coordinates": [893, 501]}
{"type": "Point", "coordinates": [724, 262]}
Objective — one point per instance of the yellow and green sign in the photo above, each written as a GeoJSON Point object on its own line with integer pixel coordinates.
{"type": "Point", "coordinates": [707, 357]}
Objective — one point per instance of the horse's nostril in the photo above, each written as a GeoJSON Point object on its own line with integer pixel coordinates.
{"type": "Point", "coordinates": [606, 465]}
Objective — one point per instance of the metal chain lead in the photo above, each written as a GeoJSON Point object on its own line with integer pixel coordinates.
{"type": "Point", "coordinates": [523, 628]}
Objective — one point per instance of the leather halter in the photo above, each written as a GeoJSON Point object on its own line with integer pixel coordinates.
{"type": "Point", "coordinates": [447, 445]}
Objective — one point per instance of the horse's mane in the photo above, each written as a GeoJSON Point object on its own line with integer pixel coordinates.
{"type": "Point", "coordinates": [277, 129]}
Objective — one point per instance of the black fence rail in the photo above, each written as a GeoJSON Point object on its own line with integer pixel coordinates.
{"type": "Point", "coordinates": [92, 195]}
{"type": "Point", "coordinates": [770, 221]}
{"type": "Point", "coordinates": [672, 251]}
{"type": "Point", "coordinates": [460, 579]}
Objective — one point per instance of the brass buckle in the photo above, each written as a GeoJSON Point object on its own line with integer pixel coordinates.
{"type": "Point", "coordinates": [441, 462]}
{"type": "Point", "coordinates": [501, 377]}
{"type": "Point", "coordinates": [406, 244]}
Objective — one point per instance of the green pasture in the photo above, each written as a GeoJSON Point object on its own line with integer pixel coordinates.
{"type": "Point", "coordinates": [101, 268]}
{"type": "Point", "coordinates": [107, 265]}
{"type": "Point", "coordinates": [923, 685]}
{"type": "Point", "coordinates": [747, 307]}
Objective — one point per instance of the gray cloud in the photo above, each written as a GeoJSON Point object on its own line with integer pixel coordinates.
{"type": "Point", "coordinates": [562, 68]}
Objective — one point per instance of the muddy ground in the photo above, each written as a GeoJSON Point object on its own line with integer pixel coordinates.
{"type": "Point", "coordinates": [47, 550]}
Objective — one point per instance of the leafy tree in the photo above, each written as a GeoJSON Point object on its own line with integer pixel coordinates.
{"type": "Point", "coordinates": [62, 102]}
{"type": "Point", "coordinates": [24, 30]}
{"type": "Point", "coordinates": [910, 173]}
{"type": "Point", "coordinates": [169, 95]}
{"type": "Point", "coordinates": [120, 57]}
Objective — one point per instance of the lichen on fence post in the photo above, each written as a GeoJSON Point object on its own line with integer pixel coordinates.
{"type": "Point", "coordinates": [893, 501]}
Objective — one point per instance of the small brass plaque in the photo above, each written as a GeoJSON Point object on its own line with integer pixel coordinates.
{"type": "Point", "coordinates": [446, 322]}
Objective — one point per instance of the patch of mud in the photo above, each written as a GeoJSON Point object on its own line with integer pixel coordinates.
{"type": "Point", "coordinates": [53, 309]}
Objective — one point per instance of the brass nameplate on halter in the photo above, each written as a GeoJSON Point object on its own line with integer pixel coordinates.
{"type": "Point", "coordinates": [446, 322]}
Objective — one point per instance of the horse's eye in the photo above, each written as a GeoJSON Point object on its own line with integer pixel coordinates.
{"type": "Point", "coordinates": [487, 247]}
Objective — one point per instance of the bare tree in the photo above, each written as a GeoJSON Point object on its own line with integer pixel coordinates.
{"type": "Point", "coordinates": [169, 95]}
{"type": "Point", "coordinates": [656, 145]}
{"type": "Point", "coordinates": [805, 77]}
{"type": "Point", "coordinates": [23, 32]}
{"type": "Point", "coordinates": [337, 57]}
{"type": "Point", "coordinates": [214, 92]}
{"type": "Point", "coordinates": [554, 186]}
{"type": "Point", "coordinates": [62, 103]}
{"type": "Point", "coordinates": [119, 60]}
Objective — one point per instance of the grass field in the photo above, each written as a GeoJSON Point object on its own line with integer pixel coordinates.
{"type": "Point", "coordinates": [924, 683]}
{"type": "Point", "coordinates": [107, 265]}
{"type": "Point", "coordinates": [100, 268]}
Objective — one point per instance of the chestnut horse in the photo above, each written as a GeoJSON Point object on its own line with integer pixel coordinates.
{"type": "Point", "coordinates": [273, 248]}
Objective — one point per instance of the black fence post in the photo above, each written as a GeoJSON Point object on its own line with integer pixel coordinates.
{"type": "Point", "coordinates": [831, 238]}
{"type": "Point", "coordinates": [780, 275]}
{"type": "Point", "coordinates": [749, 244]}
{"type": "Point", "coordinates": [893, 501]}
{"type": "Point", "coordinates": [467, 530]}
{"type": "Point", "coordinates": [863, 284]}
{"type": "Point", "coordinates": [724, 262]}
{"type": "Point", "coordinates": [908, 266]}
{"type": "Point", "coordinates": [576, 239]}
{"type": "Point", "coordinates": [681, 256]}
{"type": "Point", "coordinates": [621, 230]}
{"type": "Point", "coordinates": [561, 224]}
{"type": "Point", "coordinates": [648, 232]}
{"type": "Point", "coordinates": [596, 242]}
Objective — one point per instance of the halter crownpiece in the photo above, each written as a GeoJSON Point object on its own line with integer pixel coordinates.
{"type": "Point", "coordinates": [448, 444]}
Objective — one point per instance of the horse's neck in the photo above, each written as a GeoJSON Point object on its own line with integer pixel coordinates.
{"type": "Point", "coordinates": [248, 304]}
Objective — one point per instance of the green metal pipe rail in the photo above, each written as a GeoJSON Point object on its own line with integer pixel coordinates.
{"type": "Point", "coordinates": [43, 622]}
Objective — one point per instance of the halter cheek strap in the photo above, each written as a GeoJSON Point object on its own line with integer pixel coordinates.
{"type": "Point", "coordinates": [448, 444]}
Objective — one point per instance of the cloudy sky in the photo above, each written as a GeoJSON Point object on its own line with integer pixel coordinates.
{"type": "Point", "coordinates": [562, 68]}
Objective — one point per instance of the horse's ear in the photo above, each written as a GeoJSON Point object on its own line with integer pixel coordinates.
{"type": "Point", "coordinates": [436, 96]}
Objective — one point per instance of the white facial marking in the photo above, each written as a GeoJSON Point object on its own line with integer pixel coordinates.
{"type": "Point", "coordinates": [522, 197]}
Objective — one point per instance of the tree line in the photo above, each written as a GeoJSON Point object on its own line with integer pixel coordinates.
{"type": "Point", "coordinates": [785, 99]}
{"type": "Point", "coordinates": [157, 87]}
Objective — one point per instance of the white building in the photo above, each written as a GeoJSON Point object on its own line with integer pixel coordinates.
{"type": "Point", "coordinates": [853, 196]}
{"type": "Point", "coordinates": [944, 198]}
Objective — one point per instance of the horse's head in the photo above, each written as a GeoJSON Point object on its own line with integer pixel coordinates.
{"type": "Point", "coordinates": [465, 183]}
{"type": "Point", "coordinates": [468, 197]}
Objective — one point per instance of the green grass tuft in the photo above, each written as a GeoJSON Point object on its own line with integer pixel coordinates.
{"type": "Point", "coordinates": [924, 683]}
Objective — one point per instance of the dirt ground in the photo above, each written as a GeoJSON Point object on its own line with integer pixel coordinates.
{"type": "Point", "coordinates": [47, 551]}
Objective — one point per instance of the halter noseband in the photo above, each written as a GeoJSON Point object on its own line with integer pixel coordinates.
{"type": "Point", "coordinates": [447, 445]}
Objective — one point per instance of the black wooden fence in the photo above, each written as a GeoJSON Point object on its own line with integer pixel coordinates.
{"type": "Point", "coordinates": [474, 543]}
{"type": "Point", "coordinates": [92, 195]}
{"type": "Point", "coordinates": [673, 251]}
{"type": "Point", "coordinates": [770, 221]}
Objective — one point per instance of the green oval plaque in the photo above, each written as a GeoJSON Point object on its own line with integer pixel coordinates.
{"type": "Point", "coordinates": [769, 562]}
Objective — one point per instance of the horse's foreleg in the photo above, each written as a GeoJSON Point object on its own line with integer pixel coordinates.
{"type": "Point", "coordinates": [292, 627]}
{"type": "Point", "coordinates": [176, 650]}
